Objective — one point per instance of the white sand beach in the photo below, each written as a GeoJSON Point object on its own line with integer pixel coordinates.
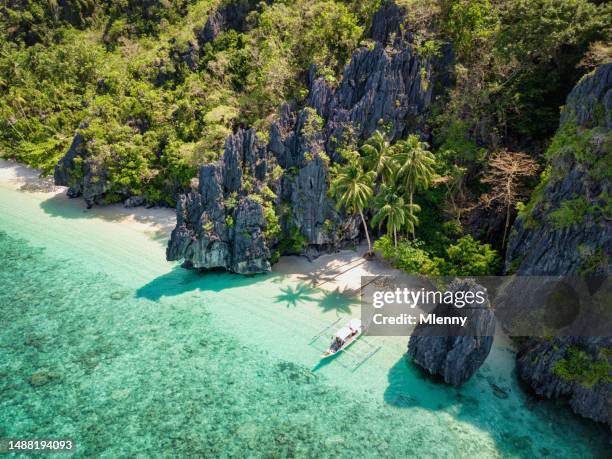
{"type": "Point", "coordinates": [340, 271]}
{"type": "Point", "coordinates": [156, 222]}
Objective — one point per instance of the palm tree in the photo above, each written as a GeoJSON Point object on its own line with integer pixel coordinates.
{"type": "Point", "coordinates": [391, 210]}
{"type": "Point", "coordinates": [353, 189]}
{"type": "Point", "coordinates": [377, 156]}
{"type": "Point", "coordinates": [412, 220]}
{"type": "Point", "coordinates": [415, 170]}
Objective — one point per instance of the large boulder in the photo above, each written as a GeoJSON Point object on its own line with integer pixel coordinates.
{"type": "Point", "coordinates": [566, 231]}
{"type": "Point", "coordinates": [455, 353]}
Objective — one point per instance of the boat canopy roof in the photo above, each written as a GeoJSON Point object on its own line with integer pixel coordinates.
{"type": "Point", "coordinates": [355, 324]}
{"type": "Point", "coordinates": [344, 333]}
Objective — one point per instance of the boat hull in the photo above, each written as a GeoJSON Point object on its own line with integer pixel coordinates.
{"type": "Point", "coordinates": [347, 343]}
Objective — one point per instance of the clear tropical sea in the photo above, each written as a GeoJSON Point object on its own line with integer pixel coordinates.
{"type": "Point", "coordinates": [104, 342]}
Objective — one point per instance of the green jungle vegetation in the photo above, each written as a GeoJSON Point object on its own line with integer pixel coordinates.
{"type": "Point", "coordinates": [580, 367]}
{"type": "Point", "coordinates": [152, 104]}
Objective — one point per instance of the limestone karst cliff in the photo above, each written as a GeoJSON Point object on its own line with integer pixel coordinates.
{"type": "Point", "coordinates": [453, 352]}
{"type": "Point", "coordinates": [287, 178]}
{"type": "Point", "coordinates": [566, 230]}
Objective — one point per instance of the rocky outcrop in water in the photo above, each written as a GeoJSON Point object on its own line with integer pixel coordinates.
{"type": "Point", "coordinates": [567, 231]}
{"type": "Point", "coordinates": [546, 365]}
{"type": "Point", "coordinates": [387, 84]}
{"type": "Point", "coordinates": [453, 352]}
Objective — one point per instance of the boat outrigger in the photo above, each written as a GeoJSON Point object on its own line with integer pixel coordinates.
{"type": "Point", "coordinates": [344, 338]}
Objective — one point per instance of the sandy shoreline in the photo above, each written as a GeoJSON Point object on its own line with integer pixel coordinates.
{"type": "Point", "coordinates": [155, 222]}
{"type": "Point", "coordinates": [340, 271]}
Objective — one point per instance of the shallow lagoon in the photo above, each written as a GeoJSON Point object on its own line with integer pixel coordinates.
{"type": "Point", "coordinates": [106, 343]}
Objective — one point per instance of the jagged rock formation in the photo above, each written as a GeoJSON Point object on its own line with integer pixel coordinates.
{"type": "Point", "coordinates": [211, 231]}
{"type": "Point", "coordinates": [86, 176]}
{"type": "Point", "coordinates": [452, 352]}
{"type": "Point", "coordinates": [87, 179]}
{"type": "Point", "coordinates": [230, 15]}
{"type": "Point", "coordinates": [540, 241]}
{"type": "Point", "coordinates": [567, 231]}
{"type": "Point", "coordinates": [387, 84]}
{"type": "Point", "coordinates": [538, 362]}
{"type": "Point", "coordinates": [386, 22]}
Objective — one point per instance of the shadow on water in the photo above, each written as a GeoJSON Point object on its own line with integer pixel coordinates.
{"type": "Point", "coordinates": [180, 280]}
{"type": "Point", "coordinates": [59, 206]}
{"type": "Point", "coordinates": [324, 362]}
{"type": "Point", "coordinates": [513, 418]}
{"type": "Point", "coordinates": [406, 380]}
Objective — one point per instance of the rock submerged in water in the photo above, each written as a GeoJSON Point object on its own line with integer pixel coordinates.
{"type": "Point", "coordinates": [449, 351]}
{"type": "Point", "coordinates": [42, 378]}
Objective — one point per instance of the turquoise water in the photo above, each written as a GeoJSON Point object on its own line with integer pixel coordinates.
{"type": "Point", "coordinates": [104, 342]}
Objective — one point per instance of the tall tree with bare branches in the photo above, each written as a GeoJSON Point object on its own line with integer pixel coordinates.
{"type": "Point", "coordinates": [506, 175]}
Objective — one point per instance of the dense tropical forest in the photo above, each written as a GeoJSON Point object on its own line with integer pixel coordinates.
{"type": "Point", "coordinates": [153, 98]}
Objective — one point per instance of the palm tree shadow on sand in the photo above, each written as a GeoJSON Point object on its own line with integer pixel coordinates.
{"type": "Point", "coordinates": [339, 300]}
{"type": "Point", "coordinates": [293, 296]}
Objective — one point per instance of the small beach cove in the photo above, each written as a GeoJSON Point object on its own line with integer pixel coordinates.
{"type": "Point", "coordinates": [111, 345]}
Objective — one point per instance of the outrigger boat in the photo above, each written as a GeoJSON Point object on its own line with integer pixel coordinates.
{"type": "Point", "coordinates": [344, 338]}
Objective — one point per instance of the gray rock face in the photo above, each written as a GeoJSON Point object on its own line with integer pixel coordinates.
{"type": "Point", "coordinates": [64, 172]}
{"type": "Point", "coordinates": [590, 102]}
{"type": "Point", "coordinates": [133, 201]}
{"type": "Point", "coordinates": [378, 85]}
{"type": "Point", "coordinates": [381, 86]}
{"type": "Point", "coordinates": [250, 253]}
{"type": "Point", "coordinates": [543, 248]}
{"type": "Point", "coordinates": [190, 55]}
{"type": "Point", "coordinates": [204, 235]}
{"type": "Point", "coordinates": [537, 246]}
{"type": "Point", "coordinates": [450, 352]}
{"type": "Point", "coordinates": [386, 21]}
{"type": "Point", "coordinates": [231, 15]}
{"type": "Point", "coordinates": [538, 358]}
{"type": "Point", "coordinates": [298, 147]}
{"type": "Point", "coordinates": [83, 176]}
